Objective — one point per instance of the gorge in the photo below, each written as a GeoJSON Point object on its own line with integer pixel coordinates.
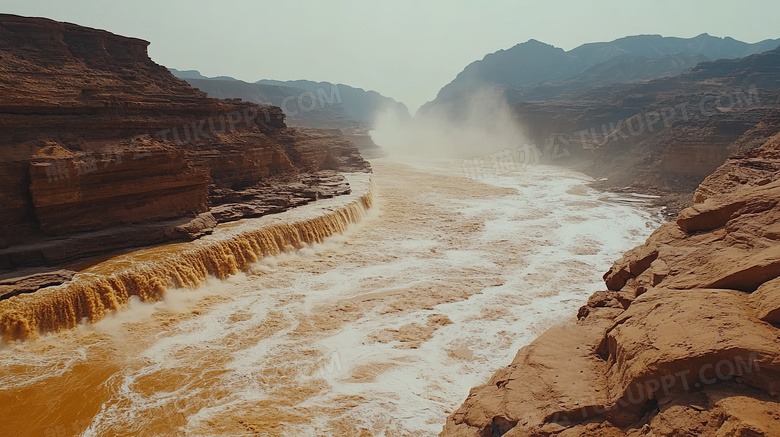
{"type": "Point", "coordinates": [178, 257]}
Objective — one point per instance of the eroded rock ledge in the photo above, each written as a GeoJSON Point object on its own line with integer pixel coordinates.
{"type": "Point", "coordinates": [103, 149]}
{"type": "Point", "coordinates": [684, 341]}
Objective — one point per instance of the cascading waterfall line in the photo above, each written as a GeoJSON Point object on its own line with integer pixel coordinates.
{"type": "Point", "coordinates": [95, 296]}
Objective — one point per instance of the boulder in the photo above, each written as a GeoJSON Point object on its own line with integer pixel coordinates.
{"type": "Point", "coordinates": [766, 301]}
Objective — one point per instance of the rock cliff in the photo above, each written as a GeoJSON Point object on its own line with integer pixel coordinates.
{"type": "Point", "coordinates": [684, 340]}
{"type": "Point", "coordinates": [96, 137]}
{"type": "Point", "coordinates": [666, 135]}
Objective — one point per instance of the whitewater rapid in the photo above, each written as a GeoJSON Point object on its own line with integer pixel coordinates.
{"type": "Point", "coordinates": [379, 331]}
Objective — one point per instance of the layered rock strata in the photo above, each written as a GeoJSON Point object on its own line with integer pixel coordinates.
{"type": "Point", "coordinates": [101, 144]}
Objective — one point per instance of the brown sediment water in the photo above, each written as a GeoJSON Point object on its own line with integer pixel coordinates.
{"type": "Point", "coordinates": [380, 329]}
{"type": "Point", "coordinates": [146, 274]}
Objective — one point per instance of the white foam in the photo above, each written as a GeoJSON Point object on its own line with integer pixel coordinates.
{"type": "Point", "coordinates": [536, 257]}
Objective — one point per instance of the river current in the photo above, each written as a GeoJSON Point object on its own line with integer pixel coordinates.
{"type": "Point", "coordinates": [379, 331]}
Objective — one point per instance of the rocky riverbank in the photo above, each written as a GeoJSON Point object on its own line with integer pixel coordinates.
{"type": "Point", "coordinates": [683, 340]}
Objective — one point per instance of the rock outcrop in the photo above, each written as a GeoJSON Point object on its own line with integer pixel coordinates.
{"type": "Point", "coordinates": [278, 194]}
{"type": "Point", "coordinates": [31, 283]}
{"type": "Point", "coordinates": [684, 341]}
{"type": "Point", "coordinates": [101, 148]}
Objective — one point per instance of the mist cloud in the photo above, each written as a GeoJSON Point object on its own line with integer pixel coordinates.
{"type": "Point", "coordinates": [481, 125]}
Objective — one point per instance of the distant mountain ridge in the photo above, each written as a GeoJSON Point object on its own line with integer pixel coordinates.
{"type": "Point", "coordinates": [360, 104]}
{"type": "Point", "coordinates": [633, 58]}
{"type": "Point", "coordinates": [306, 103]}
{"type": "Point", "coordinates": [187, 74]}
{"type": "Point", "coordinates": [652, 46]}
{"type": "Point", "coordinates": [195, 74]}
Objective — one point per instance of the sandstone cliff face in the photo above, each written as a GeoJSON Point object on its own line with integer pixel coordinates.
{"type": "Point", "coordinates": [95, 135]}
{"type": "Point", "coordinates": [684, 341]}
{"type": "Point", "coordinates": [73, 191]}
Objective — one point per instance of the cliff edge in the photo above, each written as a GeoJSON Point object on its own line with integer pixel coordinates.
{"type": "Point", "coordinates": [102, 149]}
{"type": "Point", "coordinates": [684, 340]}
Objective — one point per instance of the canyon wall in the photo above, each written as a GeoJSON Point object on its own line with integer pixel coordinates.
{"type": "Point", "coordinates": [668, 133]}
{"type": "Point", "coordinates": [682, 341]}
{"type": "Point", "coordinates": [96, 136]}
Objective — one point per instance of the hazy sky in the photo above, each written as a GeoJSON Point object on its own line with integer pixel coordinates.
{"type": "Point", "coordinates": [405, 49]}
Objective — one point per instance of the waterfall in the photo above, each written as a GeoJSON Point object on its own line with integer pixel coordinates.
{"type": "Point", "coordinates": [184, 265]}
